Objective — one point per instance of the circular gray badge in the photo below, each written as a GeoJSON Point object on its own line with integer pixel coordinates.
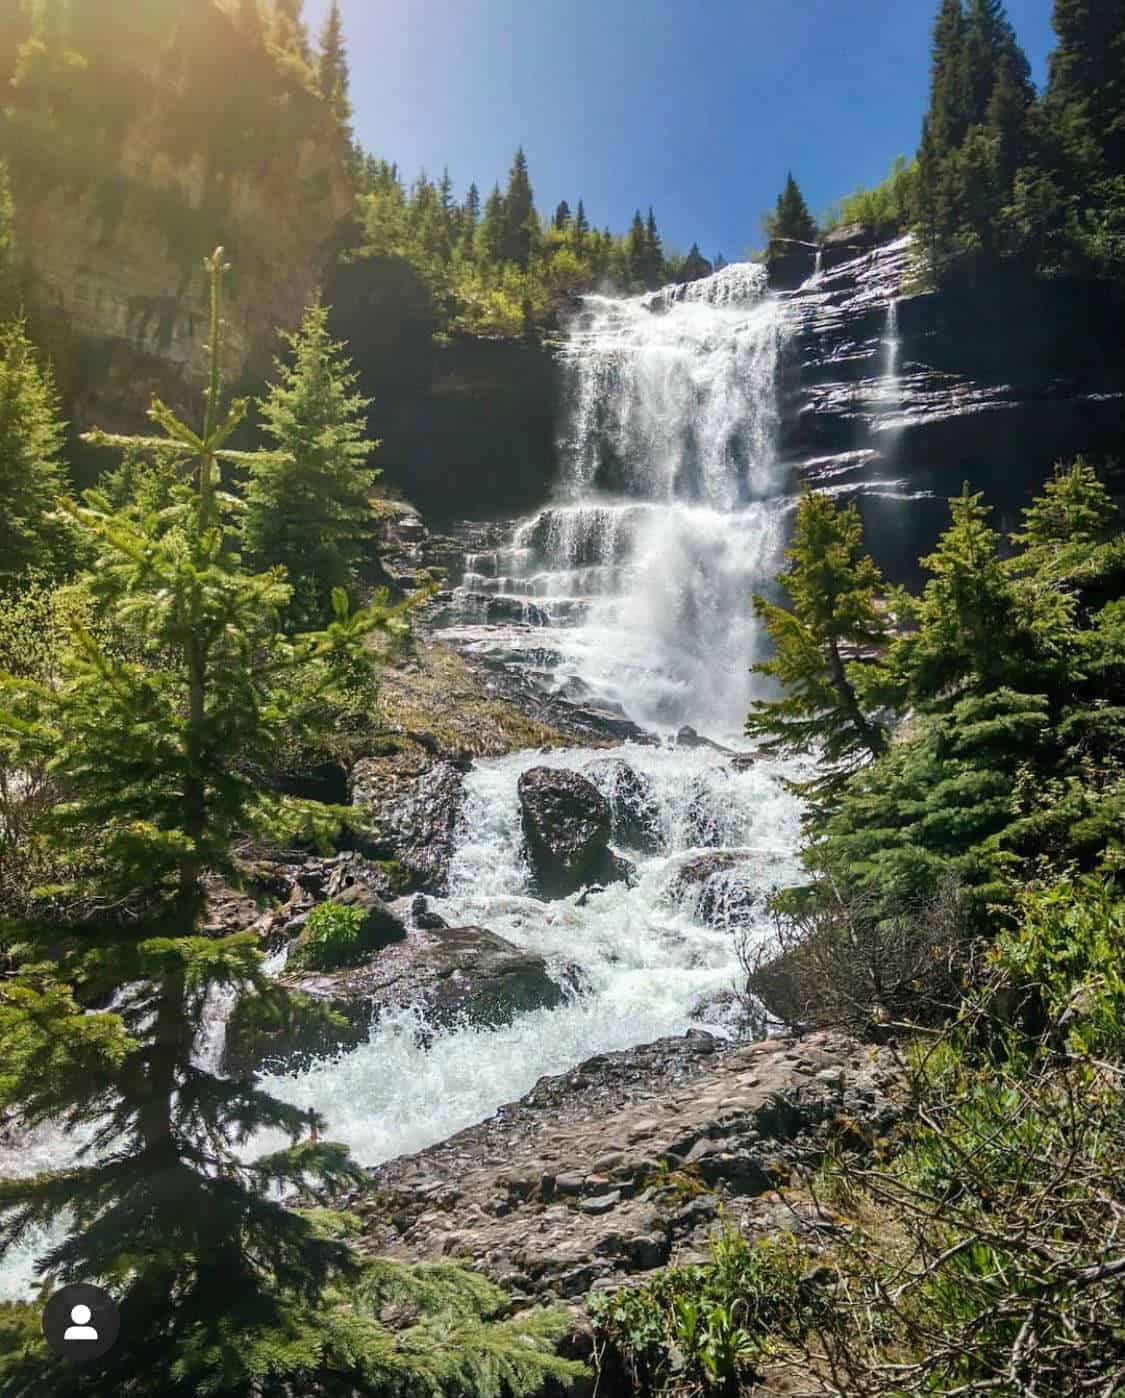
{"type": "Point", "coordinates": [81, 1322]}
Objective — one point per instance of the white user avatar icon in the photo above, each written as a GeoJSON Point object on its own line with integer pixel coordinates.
{"type": "Point", "coordinates": [81, 1329]}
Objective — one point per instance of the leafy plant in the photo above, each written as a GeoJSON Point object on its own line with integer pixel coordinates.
{"type": "Point", "coordinates": [331, 938]}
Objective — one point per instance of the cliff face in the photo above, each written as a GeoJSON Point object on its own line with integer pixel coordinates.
{"type": "Point", "coordinates": [891, 394]}
{"type": "Point", "coordinates": [216, 144]}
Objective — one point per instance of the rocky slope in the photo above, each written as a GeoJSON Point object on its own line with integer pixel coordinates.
{"type": "Point", "coordinates": [624, 1164]}
{"type": "Point", "coordinates": [209, 141]}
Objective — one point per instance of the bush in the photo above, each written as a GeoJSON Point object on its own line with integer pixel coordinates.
{"type": "Point", "coordinates": [844, 961]}
{"type": "Point", "coordinates": [333, 937]}
{"type": "Point", "coordinates": [987, 1257]}
{"type": "Point", "coordinates": [705, 1327]}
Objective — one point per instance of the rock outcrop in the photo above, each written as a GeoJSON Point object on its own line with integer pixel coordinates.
{"type": "Point", "coordinates": [623, 1165]}
{"type": "Point", "coordinates": [891, 393]}
{"type": "Point", "coordinates": [567, 826]}
{"type": "Point", "coordinates": [633, 812]}
{"type": "Point", "coordinates": [113, 243]}
{"type": "Point", "coordinates": [443, 974]}
{"type": "Point", "coordinates": [719, 889]}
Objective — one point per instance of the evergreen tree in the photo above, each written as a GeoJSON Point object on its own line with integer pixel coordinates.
{"type": "Point", "coordinates": [636, 251]}
{"type": "Point", "coordinates": [218, 1284]}
{"type": "Point", "coordinates": [562, 218]}
{"type": "Point", "coordinates": [654, 252]}
{"type": "Point", "coordinates": [519, 213]}
{"type": "Point", "coordinates": [950, 108]}
{"type": "Point", "coordinates": [581, 228]}
{"type": "Point", "coordinates": [493, 227]}
{"type": "Point", "coordinates": [290, 31]}
{"type": "Point", "coordinates": [445, 196]}
{"type": "Point", "coordinates": [791, 219]}
{"type": "Point", "coordinates": [696, 265]}
{"type": "Point", "coordinates": [1085, 100]}
{"type": "Point", "coordinates": [831, 585]}
{"type": "Point", "coordinates": [307, 503]}
{"type": "Point", "coordinates": [31, 465]}
{"type": "Point", "coordinates": [333, 75]}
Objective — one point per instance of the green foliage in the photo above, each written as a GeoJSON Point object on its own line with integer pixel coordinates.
{"type": "Point", "coordinates": [32, 473]}
{"type": "Point", "coordinates": [307, 504]}
{"type": "Point", "coordinates": [1011, 671]}
{"type": "Point", "coordinates": [791, 218]}
{"type": "Point", "coordinates": [704, 1328]}
{"type": "Point", "coordinates": [331, 938]}
{"type": "Point", "coordinates": [503, 271]}
{"type": "Point", "coordinates": [887, 208]}
{"type": "Point", "coordinates": [831, 585]}
{"type": "Point", "coordinates": [149, 752]}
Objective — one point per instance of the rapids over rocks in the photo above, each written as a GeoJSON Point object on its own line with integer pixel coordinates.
{"type": "Point", "coordinates": [632, 589]}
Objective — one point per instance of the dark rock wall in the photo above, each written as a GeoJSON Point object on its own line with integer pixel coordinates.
{"type": "Point", "coordinates": [986, 385]}
{"type": "Point", "coordinates": [467, 425]}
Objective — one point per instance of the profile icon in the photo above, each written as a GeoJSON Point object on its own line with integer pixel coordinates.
{"type": "Point", "coordinates": [80, 1327]}
{"type": "Point", "coordinates": [81, 1322]}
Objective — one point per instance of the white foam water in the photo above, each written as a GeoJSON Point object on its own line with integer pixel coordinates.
{"type": "Point", "coordinates": [638, 578]}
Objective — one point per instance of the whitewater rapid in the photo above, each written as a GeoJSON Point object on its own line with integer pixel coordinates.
{"type": "Point", "coordinates": [635, 585]}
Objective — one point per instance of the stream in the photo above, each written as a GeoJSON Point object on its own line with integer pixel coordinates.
{"type": "Point", "coordinates": [632, 588]}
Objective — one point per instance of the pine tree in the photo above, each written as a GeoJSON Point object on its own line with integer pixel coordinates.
{"type": "Point", "coordinates": [950, 108]}
{"type": "Point", "coordinates": [519, 213]}
{"type": "Point", "coordinates": [581, 228]}
{"type": "Point", "coordinates": [791, 219]}
{"type": "Point", "coordinates": [1085, 99]}
{"type": "Point", "coordinates": [492, 227]}
{"type": "Point", "coordinates": [31, 466]}
{"type": "Point", "coordinates": [307, 502]}
{"type": "Point", "coordinates": [831, 585]}
{"type": "Point", "coordinates": [333, 75]}
{"type": "Point", "coordinates": [290, 31]}
{"type": "Point", "coordinates": [562, 218]}
{"type": "Point", "coordinates": [696, 266]}
{"type": "Point", "coordinates": [654, 252]}
{"type": "Point", "coordinates": [218, 1284]}
{"type": "Point", "coordinates": [636, 251]}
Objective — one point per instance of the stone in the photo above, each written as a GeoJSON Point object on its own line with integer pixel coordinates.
{"type": "Point", "coordinates": [446, 974]}
{"type": "Point", "coordinates": [567, 826]}
{"type": "Point", "coordinates": [600, 1203]}
{"type": "Point", "coordinates": [417, 827]}
{"type": "Point", "coordinates": [634, 814]}
{"type": "Point", "coordinates": [687, 737]}
{"type": "Point", "coordinates": [720, 889]}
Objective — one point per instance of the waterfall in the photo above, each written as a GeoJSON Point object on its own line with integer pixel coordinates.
{"type": "Point", "coordinates": [635, 583]}
{"type": "Point", "coordinates": [669, 511]}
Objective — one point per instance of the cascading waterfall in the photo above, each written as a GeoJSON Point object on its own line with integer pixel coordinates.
{"type": "Point", "coordinates": [636, 583]}
{"type": "Point", "coordinates": [669, 512]}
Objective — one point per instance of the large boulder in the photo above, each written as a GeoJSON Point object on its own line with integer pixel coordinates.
{"type": "Point", "coordinates": [633, 812]}
{"type": "Point", "coordinates": [445, 974]}
{"type": "Point", "coordinates": [719, 890]}
{"type": "Point", "coordinates": [567, 826]}
{"type": "Point", "coordinates": [415, 816]}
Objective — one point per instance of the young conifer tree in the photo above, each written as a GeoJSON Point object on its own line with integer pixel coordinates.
{"type": "Point", "coordinates": [31, 467]}
{"type": "Point", "coordinates": [832, 586]}
{"type": "Point", "coordinates": [307, 506]}
{"type": "Point", "coordinates": [217, 1283]}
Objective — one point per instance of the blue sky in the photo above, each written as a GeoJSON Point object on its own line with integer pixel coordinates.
{"type": "Point", "coordinates": [696, 106]}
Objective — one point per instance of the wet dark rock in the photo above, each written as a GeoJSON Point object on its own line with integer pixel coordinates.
{"type": "Point", "coordinates": [687, 737]}
{"type": "Point", "coordinates": [986, 384]}
{"type": "Point", "coordinates": [357, 882]}
{"type": "Point", "coordinates": [634, 814]}
{"type": "Point", "coordinates": [705, 827]}
{"type": "Point", "coordinates": [445, 974]}
{"type": "Point", "coordinates": [416, 825]}
{"type": "Point", "coordinates": [721, 889]}
{"type": "Point", "coordinates": [567, 827]}
{"type": "Point", "coordinates": [423, 916]}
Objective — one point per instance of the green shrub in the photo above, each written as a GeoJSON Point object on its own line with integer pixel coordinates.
{"type": "Point", "coordinates": [333, 937]}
